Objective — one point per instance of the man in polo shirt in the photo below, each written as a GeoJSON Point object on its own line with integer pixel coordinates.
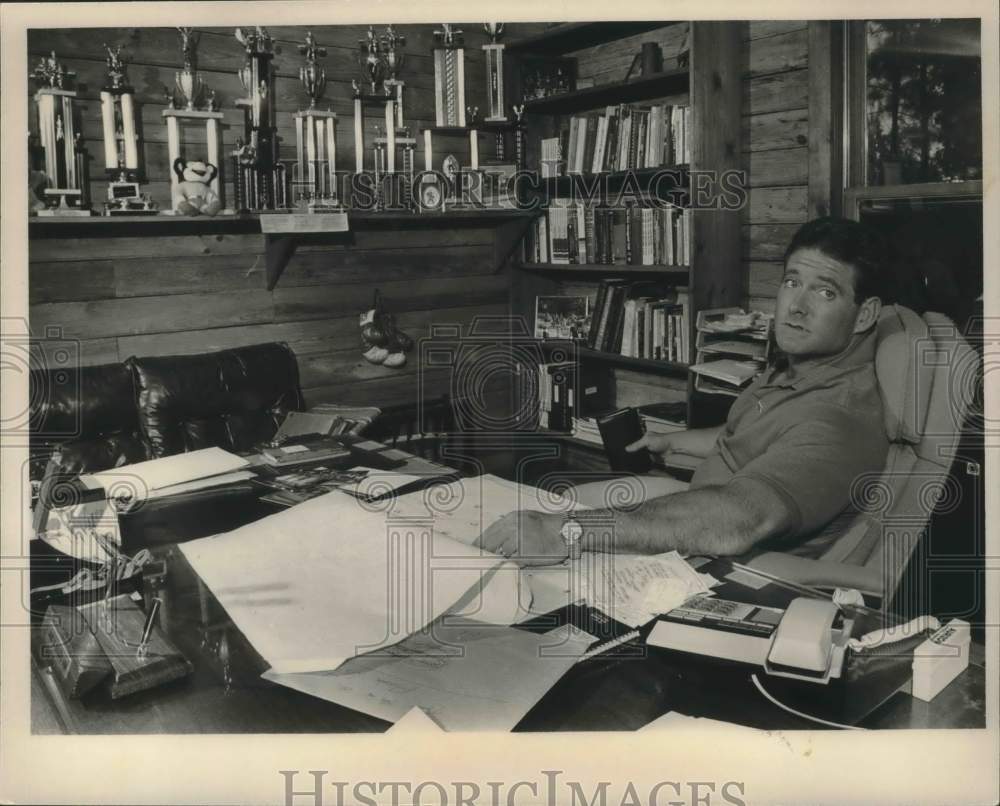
{"type": "Point", "coordinates": [780, 471]}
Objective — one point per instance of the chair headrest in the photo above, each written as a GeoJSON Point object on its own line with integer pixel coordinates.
{"type": "Point", "coordinates": [904, 381]}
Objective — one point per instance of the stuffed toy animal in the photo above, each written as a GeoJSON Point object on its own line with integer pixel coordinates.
{"type": "Point", "coordinates": [193, 194]}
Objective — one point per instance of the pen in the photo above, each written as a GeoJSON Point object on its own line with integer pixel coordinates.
{"type": "Point", "coordinates": [148, 628]}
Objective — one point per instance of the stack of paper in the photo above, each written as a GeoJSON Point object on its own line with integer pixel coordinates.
{"type": "Point", "coordinates": [184, 472]}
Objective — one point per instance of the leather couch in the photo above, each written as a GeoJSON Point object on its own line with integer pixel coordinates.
{"type": "Point", "coordinates": [103, 416]}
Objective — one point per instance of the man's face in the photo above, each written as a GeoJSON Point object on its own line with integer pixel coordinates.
{"type": "Point", "coordinates": [815, 313]}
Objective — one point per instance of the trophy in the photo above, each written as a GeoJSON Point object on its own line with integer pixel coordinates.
{"type": "Point", "coordinates": [315, 140]}
{"type": "Point", "coordinates": [518, 111]}
{"type": "Point", "coordinates": [259, 179]}
{"type": "Point", "coordinates": [65, 160]}
{"type": "Point", "coordinates": [192, 90]}
{"type": "Point", "coordinates": [381, 61]}
{"type": "Point", "coordinates": [187, 81]}
{"type": "Point", "coordinates": [121, 143]}
{"type": "Point", "coordinates": [494, 72]}
{"type": "Point", "coordinates": [449, 77]}
{"type": "Point", "coordinates": [394, 59]}
{"type": "Point", "coordinates": [373, 66]}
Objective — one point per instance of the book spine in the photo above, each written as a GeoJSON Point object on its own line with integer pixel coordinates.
{"type": "Point", "coordinates": [596, 313]}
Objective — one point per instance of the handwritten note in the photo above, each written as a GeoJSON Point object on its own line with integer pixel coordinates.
{"type": "Point", "coordinates": [634, 589]}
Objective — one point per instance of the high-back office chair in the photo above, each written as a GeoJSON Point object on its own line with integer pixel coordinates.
{"type": "Point", "coordinates": [927, 376]}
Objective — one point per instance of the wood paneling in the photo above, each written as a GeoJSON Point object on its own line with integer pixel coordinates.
{"type": "Point", "coordinates": [776, 137]}
{"type": "Point", "coordinates": [778, 205]}
{"type": "Point", "coordinates": [786, 166]}
{"type": "Point", "coordinates": [774, 54]}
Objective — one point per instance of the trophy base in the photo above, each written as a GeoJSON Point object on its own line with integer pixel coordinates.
{"type": "Point", "coordinates": [119, 212]}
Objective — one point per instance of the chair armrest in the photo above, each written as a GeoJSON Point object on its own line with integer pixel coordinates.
{"type": "Point", "coordinates": [825, 573]}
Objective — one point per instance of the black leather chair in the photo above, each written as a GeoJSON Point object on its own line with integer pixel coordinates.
{"type": "Point", "coordinates": [233, 399]}
{"type": "Point", "coordinates": [103, 416]}
{"type": "Point", "coordinates": [89, 413]}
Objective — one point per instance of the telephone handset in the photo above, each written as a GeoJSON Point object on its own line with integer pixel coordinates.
{"type": "Point", "coordinates": [810, 642]}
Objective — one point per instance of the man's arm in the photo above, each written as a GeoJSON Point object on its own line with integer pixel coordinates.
{"type": "Point", "coordinates": [727, 519]}
{"type": "Point", "coordinates": [697, 442]}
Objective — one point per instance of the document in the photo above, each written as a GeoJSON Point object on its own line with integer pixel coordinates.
{"type": "Point", "coordinates": [635, 589]}
{"type": "Point", "coordinates": [177, 469]}
{"type": "Point", "coordinates": [465, 677]}
{"type": "Point", "coordinates": [333, 578]}
{"type": "Point", "coordinates": [462, 510]}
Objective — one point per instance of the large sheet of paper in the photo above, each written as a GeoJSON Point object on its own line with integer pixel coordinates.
{"type": "Point", "coordinates": [333, 578]}
{"type": "Point", "coordinates": [465, 677]}
{"type": "Point", "coordinates": [462, 510]}
{"type": "Point", "coordinates": [176, 469]}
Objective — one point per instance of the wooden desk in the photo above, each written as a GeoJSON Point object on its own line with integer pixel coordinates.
{"type": "Point", "coordinates": [225, 693]}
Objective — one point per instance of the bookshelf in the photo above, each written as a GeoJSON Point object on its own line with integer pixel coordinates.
{"type": "Point", "coordinates": [709, 83]}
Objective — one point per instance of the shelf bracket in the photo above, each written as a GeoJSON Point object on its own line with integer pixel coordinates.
{"type": "Point", "coordinates": [278, 250]}
{"type": "Point", "coordinates": [506, 239]}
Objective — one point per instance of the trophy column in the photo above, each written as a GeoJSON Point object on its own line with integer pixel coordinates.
{"type": "Point", "coordinates": [65, 161]}
{"type": "Point", "coordinates": [315, 137]}
{"type": "Point", "coordinates": [260, 177]}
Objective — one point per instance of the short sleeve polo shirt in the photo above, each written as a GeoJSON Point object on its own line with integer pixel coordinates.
{"type": "Point", "coordinates": [807, 436]}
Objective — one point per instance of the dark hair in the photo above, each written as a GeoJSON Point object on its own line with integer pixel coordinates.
{"type": "Point", "coordinates": [850, 242]}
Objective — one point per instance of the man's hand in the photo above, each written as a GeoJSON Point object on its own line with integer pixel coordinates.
{"type": "Point", "coordinates": [696, 442]}
{"type": "Point", "coordinates": [527, 538]}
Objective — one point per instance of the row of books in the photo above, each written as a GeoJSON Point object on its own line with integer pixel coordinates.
{"type": "Point", "coordinates": [640, 326]}
{"type": "Point", "coordinates": [625, 137]}
{"type": "Point", "coordinates": [567, 391]}
{"type": "Point", "coordinates": [579, 233]}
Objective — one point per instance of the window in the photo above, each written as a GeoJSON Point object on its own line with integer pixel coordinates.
{"type": "Point", "coordinates": [913, 155]}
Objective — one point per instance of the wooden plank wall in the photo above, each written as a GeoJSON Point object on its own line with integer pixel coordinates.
{"type": "Point", "coordinates": [776, 152]}
{"type": "Point", "coordinates": [161, 296]}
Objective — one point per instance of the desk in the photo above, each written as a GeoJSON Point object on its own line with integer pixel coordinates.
{"type": "Point", "coordinates": [225, 693]}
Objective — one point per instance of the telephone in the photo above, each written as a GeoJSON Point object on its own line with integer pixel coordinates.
{"type": "Point", "coordinates": [807, 641]}
{"type": "Point", "coordinates": [810, 642]}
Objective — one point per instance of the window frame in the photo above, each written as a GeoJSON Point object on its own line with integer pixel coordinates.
{"type": "Point", "coordinates": [855, 188]}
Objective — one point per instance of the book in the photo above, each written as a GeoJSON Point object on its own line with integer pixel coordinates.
{"type": "Point", "coordinates": [303, 450]}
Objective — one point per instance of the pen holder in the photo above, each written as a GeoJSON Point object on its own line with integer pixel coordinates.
{"type": "Point", "coordinates": [83, 645]}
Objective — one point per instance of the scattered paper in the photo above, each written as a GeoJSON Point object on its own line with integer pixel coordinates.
{"type": "Point", "coordinates": [463, 509]}
{"type": "Point", "coordinates": [673, 719]}
{"type": "Point", "coordinates": [156, 473]}
{"type": "Point", "coordinates": [635, 589]}
{"type": "Point", "coordinates": [81, 530]}
{"type": "Point", "coordinates": [415, 721]}
{"type": "Point", "coordinates": [332, 578]}
{"type": "Point", "coordinates": [377, 483]}
{"type": "Point", "coordinates": [465, 677]}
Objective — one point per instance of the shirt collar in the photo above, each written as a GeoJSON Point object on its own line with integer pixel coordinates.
{"type": "Point", "coordinates": [859, 352]}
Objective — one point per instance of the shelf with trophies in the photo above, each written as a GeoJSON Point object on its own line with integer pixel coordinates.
{"type": "Point", "coordinates": [65, 192]}
{"type": "Point", "coordinates": [458, 187]}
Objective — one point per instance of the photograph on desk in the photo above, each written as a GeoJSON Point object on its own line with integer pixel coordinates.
{"type": "Point", "coordinates": [692, 435]}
